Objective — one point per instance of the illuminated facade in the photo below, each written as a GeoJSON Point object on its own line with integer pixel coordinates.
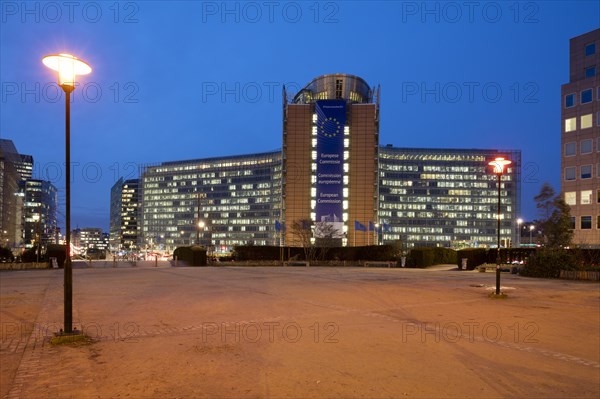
{"type": "Point", "coordinates": [330, 171]}
{"type": "Point", "coordinates": [39, 212]}
{"type": "Point", "coordinates": [330, 142]}
{"type": "Point", "coordinates": [446, 197]}
{"type": "Point", "coordinates": [124, 215]}
{"type": "Point", "coordinates": [237, 198]}
{"type": "Point", "coordinates": [580, 139]}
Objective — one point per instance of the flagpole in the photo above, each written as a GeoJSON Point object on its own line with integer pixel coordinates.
{"type": "Point", "coordinates": [354, 234]}
{"type": "Point", "coordinates": [368, 235]}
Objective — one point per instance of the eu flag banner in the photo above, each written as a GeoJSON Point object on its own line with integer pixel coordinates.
{"type": "Point", "coordinates": [277, 225]}
{"type": "Point", "coordinates": [358, 226]}
{"type": "Point", "coordinates": [371, 226]}
{"type": "Point", "coordinates": [331, 118]}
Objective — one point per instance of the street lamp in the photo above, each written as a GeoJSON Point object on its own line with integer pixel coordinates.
{"type": "Point", "coordinates": [498, 164]}
{"type": "Point", "coordinates": [68, 67]}
{"type": "Point", "coordinates": [376, 233]}
{"type": "Point", "coordinates": [531, 228]}
{"type": "Point", "coordinates": [200, 227]}
{"type": "Point", "coordinates": [519, 223]}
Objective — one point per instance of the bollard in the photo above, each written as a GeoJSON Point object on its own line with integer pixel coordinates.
{"type": "Point", "coordinates": [175, 261]}
{"type": "Point", "coordinates": [156, 261]}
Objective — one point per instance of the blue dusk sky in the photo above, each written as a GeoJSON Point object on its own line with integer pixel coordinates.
{"type": "Point", "coordinates": [189, 79]}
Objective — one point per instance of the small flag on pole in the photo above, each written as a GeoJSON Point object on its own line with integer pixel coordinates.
{"type": "Point", "coordinates": [358, 226]}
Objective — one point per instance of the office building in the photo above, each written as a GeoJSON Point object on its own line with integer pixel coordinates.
{"type": "Point", "coordinates": [39, 212]}
{"type": "Point", "coordinates": [331, 176]}
{"type": "Point", "coordinates": [447, 197]}
{"type": "Point", "coordinates": [124, 215]}
{"type": "Point", "coordinates": [215, 202]}
{"type": "Point", "coordinates": [330, 142]}
{"type": "Point", "coordinates": [580, 139]}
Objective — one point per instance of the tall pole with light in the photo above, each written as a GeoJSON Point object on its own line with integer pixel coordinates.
{"type": "Point", "coordinates": [498, 164]}
{"type": "Point", "coordinates": [531, 228]}
{"type": "Point", "coordinates": [68, 68]}
{"type": "Point", "coordinates": [519, 223]}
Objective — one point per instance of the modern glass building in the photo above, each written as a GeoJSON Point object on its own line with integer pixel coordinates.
{"type": "Point", "coordinates": [446, 197]}
{"type": "Point", "coordinates": [217, 202]}
{"type": "Point", "coordinates": [39, 212]}
{"type": "Point", "coordinates": [124, 215]}
{"type": "Point", "coordinates": [332, 170]}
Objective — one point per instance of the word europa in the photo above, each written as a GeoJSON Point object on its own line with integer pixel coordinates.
{"type": "Point", "coordinates": [254, 332]}
{"type": "Point", "coordinates": [269, 11]}
{"type": "Point", "coordinates": [452, 12]}
{"type": "Point", "coordinates": [469, 331]}
{"type": "Point", "coordinates": [69, 11]}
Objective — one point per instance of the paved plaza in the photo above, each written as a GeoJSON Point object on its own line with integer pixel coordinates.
{"type": "Point", "coordinates": [296, 332]}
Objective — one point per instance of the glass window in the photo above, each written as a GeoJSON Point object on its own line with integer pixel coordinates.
{"type": "Point", "coordinates": [590, 72]}
{"type": "Point", "coordinates": [598, 196]}
{"type": "Point", "coordinates": [590, 49]}
{"type": "Point", "coordinates": [571, 197]}
{"type": "Point", "coordinates": [586, 171]}
{"type": "Point", "coordinates": [586, 96]}
{"type": "Point", "coordinates": [586, 222]}
{"type": "Point", "coordinates": [570, 124]}
{"type": "Point", "coordinates": [598, 116]}
{"type": "Point", "coordinates": [586, 197]}
{"type": "Point", "coordinates": [570, 100]}
{"type": "Point", "coordinates": [586, 146]}
{"type": "Point", "coordinates": [570, 149]}
{"type": "Point", "coordinates": [572, 220]}
{"type": "Point", "coordinates": [570, 173]}
{"type": "Point", "coordinates": [598, 222]}
{"type": "Point", "coordinates": [586, 121]}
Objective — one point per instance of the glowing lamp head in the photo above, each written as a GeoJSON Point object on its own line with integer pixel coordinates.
{"type": "Point", "coordinates": [201, 224]}
{"type": "Point", "coordinates": [498, 164]}
{"type": "Point", "coordinates": [68, 68]}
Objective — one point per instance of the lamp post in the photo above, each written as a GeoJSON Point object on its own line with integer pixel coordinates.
{"type": "Point", "coordinates": [200, 227]}
{"type": "Point", "coordinates": [498, 164]}
{"type": "Point", "coordinates": [519, 223]}
{"type": "Point", "coordinates": [531, 228]}
{"type": "Point", "coordinates": [376, 233]}
{"type": "Point", "coordinates": [68, 67]}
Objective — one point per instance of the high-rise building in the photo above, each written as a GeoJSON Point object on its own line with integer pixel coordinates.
{"type": "Point", "coordinates": [330, 160]}
{"type": "Point", "coordinates": [332, 179]}
{"type": "Point", "coordinates": [39, 212]}
{"type": "Point", "coordinates": [9, 181]}
{"type": "Point", "coordinates": [124, 215]}
{"type": "Point", "coordinates": [580, 139]}
{"type": "Point", "coordinates": [15, 168]}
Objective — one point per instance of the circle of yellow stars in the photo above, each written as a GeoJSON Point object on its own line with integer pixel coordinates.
{"type": "Point", "coordinates": [338, 127]}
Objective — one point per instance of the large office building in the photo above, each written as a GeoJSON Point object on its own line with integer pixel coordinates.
{"type": "Point", "coordinates": [447, 197]}
{"type": "Point", "coordinates": [332, 172]}
{"type": "Point", "coordinates": [580, 139]}
{"type": "Point", "coordinates": [330, 145]}
{"type": "Point", "coordinates": [216, 202]}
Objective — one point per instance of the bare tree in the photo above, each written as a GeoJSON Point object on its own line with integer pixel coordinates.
{"type": "Point", "coordinates": [302, 232]}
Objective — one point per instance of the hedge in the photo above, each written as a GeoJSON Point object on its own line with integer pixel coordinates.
{"type": "Point", "coordinates": [194, 255]}
{"type": "Point", "coordinates": [372, 252]}
{"type": "Point", "coordinates": [474, 256]}
{"type": "Point", "coordinates": [428, 256]}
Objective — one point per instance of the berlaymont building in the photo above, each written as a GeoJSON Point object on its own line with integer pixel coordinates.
{"type": "Point", "coordinates": [331, 171]}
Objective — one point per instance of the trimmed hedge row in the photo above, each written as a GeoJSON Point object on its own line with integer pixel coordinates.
{"type": "Point", "coordinates": [429, 256]}
{"type": "Point", "coordinates": [194, 255]}
{"type": "Point", "coordinates": [372, 252]}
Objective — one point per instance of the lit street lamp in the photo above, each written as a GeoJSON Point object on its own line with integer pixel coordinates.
{"type": "Point", "coordinates": [531, 228]}
{"type": "Point", "coordinates": [200, 227]}
{"type": "Point", "coordinates": [68, 67]}
{"type": "Point", "coordinates": [519, 223]}
{"type": "Point", "coordinates": [498, 164]}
